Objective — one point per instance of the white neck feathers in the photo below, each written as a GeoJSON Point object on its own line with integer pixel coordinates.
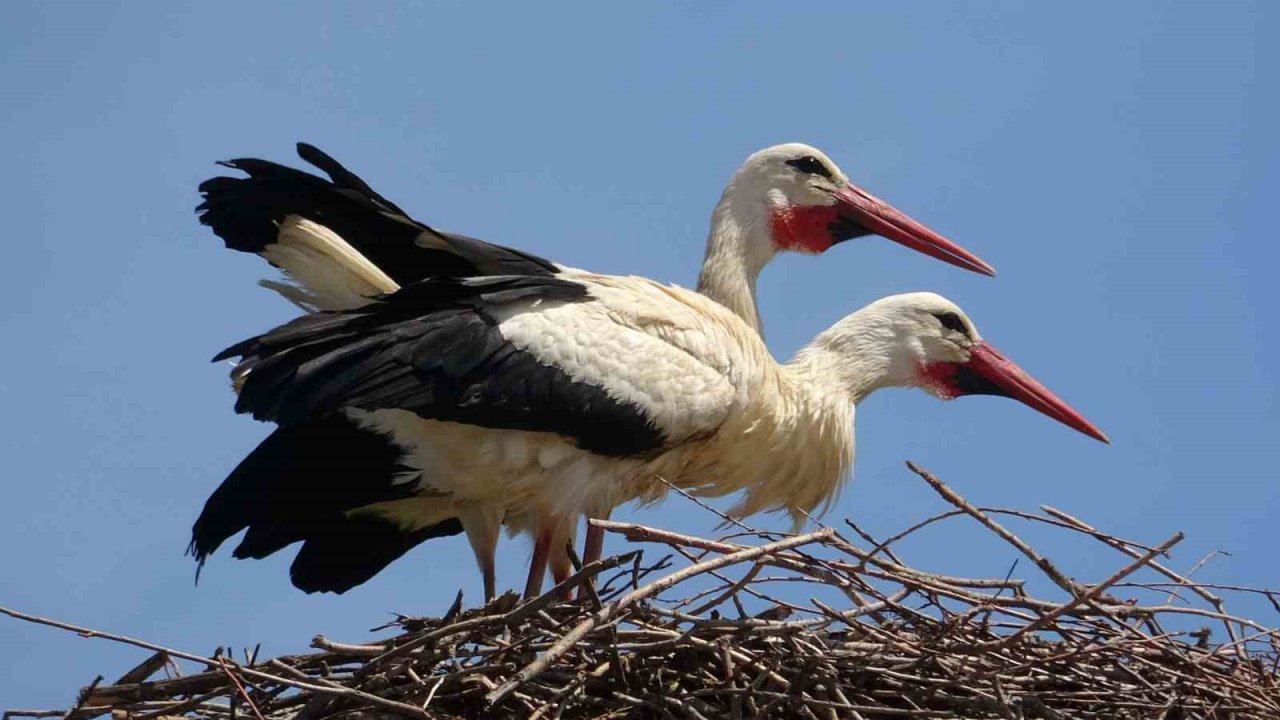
{"type": "Point", "coordinates": [804, 444]}
{"type": "Point", "coordinates": [738, 248]}
{"type": "Point", "coordinates": [855, 357]}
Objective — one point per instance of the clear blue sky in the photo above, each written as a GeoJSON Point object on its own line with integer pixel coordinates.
{"type": "Point", "coordinates": [1116, 161]}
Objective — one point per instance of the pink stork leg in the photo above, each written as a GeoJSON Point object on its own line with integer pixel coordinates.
{"type": "Point", "coordinates": [538, 563]}
{"type": "Point", "coordinates": [490, 578]}
{"type": "Point", "coordinates": [592, 548]}
{"type": "Point", "coordinates": [561, 565]}
{"type": "Point", "coordinates": [483, 529]}
{"type": "Point", "coordinates": [561, 568]}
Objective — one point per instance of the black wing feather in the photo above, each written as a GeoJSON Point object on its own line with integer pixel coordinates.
{"type": "Point", "coordinates": [246, 211]}
{"type": "Point", "coordinates": [343, 177]}
{"type": "Point", "coordinates": [297, 479]}
{"type": "Point", "coordinates": [342, 555]}
{"type": "Point", "coordinates": [434, 348]}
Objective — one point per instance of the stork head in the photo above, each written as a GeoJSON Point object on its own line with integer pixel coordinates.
{"type": "Point", "coordinates": [803, 202]}
{"type": "Point", "coordinates": [924, 340]}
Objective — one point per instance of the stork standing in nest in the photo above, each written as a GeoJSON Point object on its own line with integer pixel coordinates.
{"type": "Point", "coordinates": [550, 398]}
{"type": "Point", "coordinates": [342, 244]}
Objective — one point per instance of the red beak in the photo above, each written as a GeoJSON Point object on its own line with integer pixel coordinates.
{"type": "Point", "coordinates": [885, 220]}
{"type": "Point", "coordinates": [1002, 376]}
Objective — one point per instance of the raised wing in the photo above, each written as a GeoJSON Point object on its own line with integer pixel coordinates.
{"type": "Point", "coordinates": [247, 213]}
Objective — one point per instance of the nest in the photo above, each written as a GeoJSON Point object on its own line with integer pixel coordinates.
{"type": "Point", "coordinates": [682, 637]}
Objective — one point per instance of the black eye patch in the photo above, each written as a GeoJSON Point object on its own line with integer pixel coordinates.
{"type": "Point", "coordinates": [952, 321]}
{"type": "Point", "coordinates": [811, 165]}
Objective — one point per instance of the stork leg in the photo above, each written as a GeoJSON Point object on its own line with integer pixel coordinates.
{"type": "Point", "coordinates": [490, 578]}
{"type": "Point", "coordinates": [538, 563]}
{"type": "Point", "coordinates": [561, 565]}
{"type": "Point", "coordinates": [593, 546]}
{"type": "Point", "coordinates": [483, 528]}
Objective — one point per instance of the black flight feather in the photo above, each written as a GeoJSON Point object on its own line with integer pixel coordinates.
{"type": "Point", "coordinates": [299, 478]}
{"type": "Point", "coordinates": [434, 349]}
{"type": "Point", "coordinates": [342, 555]}
{"type": "Point", "coordinates": [246, 211]}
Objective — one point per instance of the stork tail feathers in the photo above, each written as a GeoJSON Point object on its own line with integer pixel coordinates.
{"type": "Point", "coordinates": [296, 482]}
{"type": "Point", "coordinates": [340, 555]}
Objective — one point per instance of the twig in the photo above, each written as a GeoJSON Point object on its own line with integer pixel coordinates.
{"type": "Point", "coordinates": [652, 588]}
{"type": "Point", "coordinates": [1093, 593]}
{"type": "Point", "coordinates": [240, 689]}
{"type": "Point", "coordinates": [954, 498]}
{"type": "Point", "coordinates": [87, 633]}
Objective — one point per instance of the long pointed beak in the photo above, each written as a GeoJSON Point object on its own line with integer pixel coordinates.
{"type": "Point", "coordinates": [887, 221]}
{"type": "Point", "coordinates": [1011, 380]}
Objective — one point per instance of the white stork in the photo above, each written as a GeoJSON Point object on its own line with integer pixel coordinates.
{"type": "Point", "coordinates": [341, 243]}
{"type": "Point", "coordinates": [549, 398]}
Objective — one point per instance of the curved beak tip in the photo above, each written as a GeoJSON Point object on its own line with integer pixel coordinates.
{"type": "Point", "coordinates": [1014, 382]}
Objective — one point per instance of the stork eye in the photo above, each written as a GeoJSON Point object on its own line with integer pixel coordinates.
{"type": "Point", "coordinates": [952, 321]}
{"type": "Point", "coordinates": [810, 165]}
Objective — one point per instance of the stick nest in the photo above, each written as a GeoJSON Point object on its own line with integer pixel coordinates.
{"type": "Point", "coordinates": [718, 629]}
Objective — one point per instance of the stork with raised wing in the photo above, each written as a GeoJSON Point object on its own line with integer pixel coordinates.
{"type": "Point", "coordinates": [556, 397]}
{"type": "Point", "coordinates": [341, 243]}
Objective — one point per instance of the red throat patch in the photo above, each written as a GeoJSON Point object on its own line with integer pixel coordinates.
{"type": "Point", "coordinates": [940, 377]}
{"type": "Point", "coordinates": [805, 229]}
